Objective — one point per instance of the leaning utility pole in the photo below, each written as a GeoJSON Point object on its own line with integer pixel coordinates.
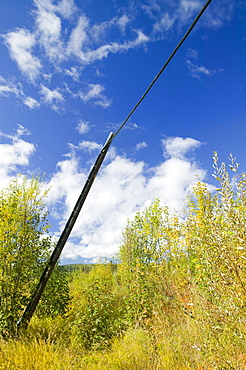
{"type": "Point", "coordinates": [24, 320]}
{"type": "Point", "coordinates": [26, 317]}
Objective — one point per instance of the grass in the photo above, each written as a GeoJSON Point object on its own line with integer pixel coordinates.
{"type": "Point", "coordinates": [168, 343]}
{"type": "Point", "coordinates": [172, 338]}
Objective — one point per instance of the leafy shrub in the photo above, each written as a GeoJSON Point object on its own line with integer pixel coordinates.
{"type": "Point", "coordinates": [56, 297]}
{"type": "Point", "coordinates": [24, 246]}
{"type": "Point", "coordinates": [96, 309]}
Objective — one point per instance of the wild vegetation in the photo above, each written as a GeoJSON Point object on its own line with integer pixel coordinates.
{"type": "Point", "coordinates": [174, 300]}
{"type": "Point", "coordinates": [25, 245]}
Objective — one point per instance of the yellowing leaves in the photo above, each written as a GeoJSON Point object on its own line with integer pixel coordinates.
{"type": "Point", "coordinates": [22, 249]}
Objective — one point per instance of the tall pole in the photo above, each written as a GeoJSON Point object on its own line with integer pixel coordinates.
{"type": "Point", "coordinates": [29, 311]}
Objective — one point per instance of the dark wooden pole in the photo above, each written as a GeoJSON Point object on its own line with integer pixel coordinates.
{"type": "Point", "coordinates": [29, 311]}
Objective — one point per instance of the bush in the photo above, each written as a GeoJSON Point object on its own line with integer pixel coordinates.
{"type": "Point", "coordinates": [96, 309]}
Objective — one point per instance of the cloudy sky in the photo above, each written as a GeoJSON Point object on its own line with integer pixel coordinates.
{"type": "Point", "coordinates": [72, 70]}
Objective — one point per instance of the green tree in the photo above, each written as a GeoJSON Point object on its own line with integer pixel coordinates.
{"type": "Point", "coordinates": [24, 246]}
{"type": "Point", "coordinates": [149, 242]}
{"type": "Point", "coordinates": [214, 236]}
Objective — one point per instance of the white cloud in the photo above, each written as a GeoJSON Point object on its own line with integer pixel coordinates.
{"type": "Point", "coordinates": [85, 34]}
{"type": "Point", "coordinates": [21, 130]}
{"type": "Point", "coordinates": [48, 19]}
{"type": "Point", "coordinates": [192, 54]}
{"type": "Point", "coordinates": [65, 7]}
{"type": "Point", "coordinates": [88, 42]}
{"type": "Point", "coordinates": [89, 145]}
{"type": "Point", "coordinates": [94, 93]}
{"type": "Point", "coordinates": [49, 32]}
{"type": "Point", "coordinates": [141, 145]}
{"type": "Point", "coordinates": [197, 71]}
{"type": "Point", "coordinates": [98, 31]}
{"type": "Point", "coordinates": [178, 147]}
{"type": "Point", "coordinates": [122, 22]}
{"type": "Point", "coordinates": [83, 127]}
{"type": "Point", "coordinates": [64, 188]}
{"type": "Point", "coordinates": [179, 13]}
{"type": "Point", "coordinates": [133, 126]}
{"type": "Point", "coordinates": [219, 14]}
{"type": "Point", "coordinates": [122, 187]}
{"type": "Point", "coordinates": [188, 7]}
{"type": "Point", "coordinates": [78, 37]}
{"type": "Point", "coordinates": [164, 24]}
{"type": "Point", "coordinates": [31, 102]}
{"type": "Point", "coordinates": [14, 153]}
{"type": "Point", "coordinates": [53, 98]}
{"type": "Point", "coordinates": [73, 72]}
{"type": "Point", "coordinates": [91, 55]}
{"type": "Point", "coordinates": [9, 87]}
{"type": "Point", "coordinates": [152, 9]}
{"type": "Point", "coordinates": [20, 44]}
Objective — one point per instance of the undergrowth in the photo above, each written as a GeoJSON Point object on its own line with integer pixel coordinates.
{"type": "Point", "coordinates": [176, 299]}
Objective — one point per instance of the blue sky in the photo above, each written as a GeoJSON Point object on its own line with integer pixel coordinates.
{"type": "Point", "coordinates": [71, 71]}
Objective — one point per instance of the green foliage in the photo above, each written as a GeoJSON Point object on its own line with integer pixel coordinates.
{"type": "Point", "coordinates": [196, 264]}
{"type": "Point", "coordinates": [24, 245]}
{"type": "Point", "coordinates": [175, 300]}
{"type": "Point", "coordinates": [56, 297]}
{"type": "Point", "coordinates": [144, 262]}
{"type": "Point", "coordinates": [96, 308]}
{"type": "Point", "coordinates": [217, 255]}
{"type": "Point", "coordinates": [24, 249]}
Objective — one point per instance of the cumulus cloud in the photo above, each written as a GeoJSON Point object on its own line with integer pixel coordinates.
{"type": "Point", "coordinates": [122, 187]}
{"type": "Point", "coordinates": [14, 153]}
{"type": "Point", "coordinates": [48, 21]}
{"type": "Point", "coordinates": [178, 147]}
{"type": "Point", "coordinates": [48, 46]}
{"type": "Point", "coordinates": [84, 36]}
